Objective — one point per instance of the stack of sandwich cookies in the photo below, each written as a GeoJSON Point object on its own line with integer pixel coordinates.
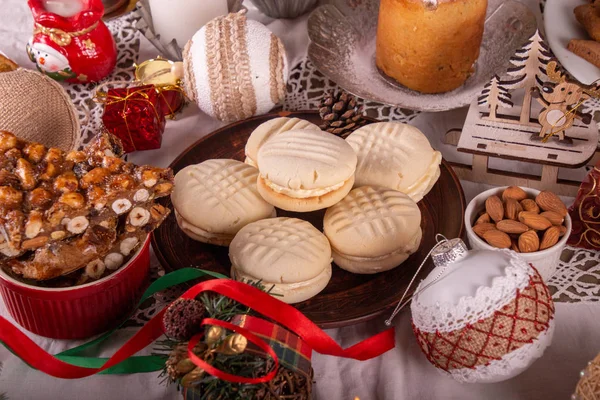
{"type": "Point", "coordinates": [288, 255]}
{"type": "Point", "coordinates": [215, 199]}
{"type": "Point", "coordinates": [396, 156]}
{"type": "Point", "coordinates": [373, 229]}
{"type": "Point", "coordinates": [269, 129]}
{"type": "Point", "coordinates": [305, 170]}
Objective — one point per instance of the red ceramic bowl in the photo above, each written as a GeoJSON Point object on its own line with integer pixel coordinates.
{"type": "Point", "coordinates": [81, 311]}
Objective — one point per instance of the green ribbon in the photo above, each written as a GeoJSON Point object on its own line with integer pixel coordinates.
{"type": "Point", "coordinates": [134, 364]}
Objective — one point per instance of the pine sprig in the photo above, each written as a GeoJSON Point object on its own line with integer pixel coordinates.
{"type": "Point", "coordinates": [3, 396]}
{"type": "Point", "coordinates": [245, 364]}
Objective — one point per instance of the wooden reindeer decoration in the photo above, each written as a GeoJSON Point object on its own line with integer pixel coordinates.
{"type": "Point", "coordinates": [560, 100]}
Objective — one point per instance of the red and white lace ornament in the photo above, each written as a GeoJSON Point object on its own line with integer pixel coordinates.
{"type": "Point", "coordinates": [482, 316]}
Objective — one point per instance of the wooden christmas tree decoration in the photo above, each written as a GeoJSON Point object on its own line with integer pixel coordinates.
{"type": "Point", "coordinates": [530, 113]}
{"type": "Point", "coordinates": [494, 94]}
{"type": "Point", "coordinates": [528, 64]}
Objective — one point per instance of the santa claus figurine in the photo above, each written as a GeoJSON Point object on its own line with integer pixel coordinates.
{"type": "Point", "coordinates": [70, 42]}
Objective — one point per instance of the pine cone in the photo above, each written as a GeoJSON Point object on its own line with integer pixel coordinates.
{"type": "Point", "coordinates": [340, 113]}
{"type": "Point", "coordinates": [182, 319]}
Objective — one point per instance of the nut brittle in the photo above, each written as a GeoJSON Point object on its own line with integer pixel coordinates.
{"type": "Point", "coordinates": [61, 211]}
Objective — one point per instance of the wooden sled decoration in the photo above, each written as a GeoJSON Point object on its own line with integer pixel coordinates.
{"type": "Point", "coordinates": [532, 114]}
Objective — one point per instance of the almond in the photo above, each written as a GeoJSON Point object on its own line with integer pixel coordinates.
{"type": "Point", "coordinates": [514, 192]}
{"type": "Point", "coordinates": [550, 237]}
{"type": "Point", "coordinates": [553, 217]}
{"type": "Point", "coordinates": [496, 238]}
{"type": "Point", "coordinates": [512, 209]}
{"type": "Point", "coordinates": [534, 221]}
{"type": "Point", "coordinates": [495, 208]}
{"type": "Point", "coordinates": [514, 246]}
{"type": "Point", "coordinates": [563, 230]}
{"type": "Point", "coordinates": [548, 201]}
{"type": "Point", "coordinates": [530, 205]}
{"type": "Point", "coordinates": [529, 242]}
{"type": "Point", "coordinates": [510, 226]}
{"type": "Point", "coordinates": [482, 228]}
{"type": "Point", "coordinates": [483, 218]}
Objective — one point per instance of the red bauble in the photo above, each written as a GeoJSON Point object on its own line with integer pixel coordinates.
{"type": "Point", "coordinates": [74, 49]}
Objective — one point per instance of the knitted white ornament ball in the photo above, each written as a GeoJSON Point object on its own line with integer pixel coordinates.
{"type": "Point", "coordinates": [235, 68]}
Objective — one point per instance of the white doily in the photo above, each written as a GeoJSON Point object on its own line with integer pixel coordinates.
{"type": "Point", "coordinates": [508, 366]}
{"type": "Point", "coordinates": [446, 317]}
{"type": "Point", "coordinates": [578, 276]}
{"type": "Point", "coordinates": [127, 39]}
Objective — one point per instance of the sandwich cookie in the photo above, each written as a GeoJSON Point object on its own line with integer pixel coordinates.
{"type": "Point", "coordinates": [215, 199]}
{"type": "Point", "coordinates": [288, 254]}
{"type": "Point", "coordinates": [373, 229]}
{"type": "Point", "coordinates": [271, 128]}
{"type": "Point", "coordinates": [397, 156]}
{"type": "Point", "coordinates": [304, 170]}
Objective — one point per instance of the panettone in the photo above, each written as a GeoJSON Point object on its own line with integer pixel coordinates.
{"type": "Point", "coordinates": [429, 45]}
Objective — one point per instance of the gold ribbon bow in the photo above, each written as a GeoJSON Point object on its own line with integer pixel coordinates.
{"type": "Point", "coordinates": [60, 37]}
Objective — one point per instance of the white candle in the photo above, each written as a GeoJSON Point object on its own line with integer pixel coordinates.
{"type": "Point", "coordinates": [180, 19]}
{"type": "Point", "coordinates": [64, 8]}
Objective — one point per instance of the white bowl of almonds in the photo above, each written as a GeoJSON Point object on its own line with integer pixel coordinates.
{"type": "Point", "coordinates": [535, 224]}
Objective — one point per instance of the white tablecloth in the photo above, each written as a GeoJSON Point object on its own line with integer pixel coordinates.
{"type": "Point", "coordinates": [402, 373]}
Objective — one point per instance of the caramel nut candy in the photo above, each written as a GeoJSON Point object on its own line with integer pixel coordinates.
{"type": "Point", "coordinates": [24, 170]}
{"type": "Point", "coordinates": [40, 199]}
{"type": "Point", "coordinates": [66, 182]}
{"type": "Point", "coordinates": [72, 199]}
{"type": "Point", "coordinates": [7, 140]}
{"type": "Point", "coordinates": [95, 177]}
{"type": "Point", "coordinates": [35, 152]}
{"type": "Point", "coordinates": [10, 197]}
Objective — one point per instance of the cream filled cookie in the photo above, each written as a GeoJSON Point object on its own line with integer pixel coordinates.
{"type": "Point", "coordinates": [373, 229]}
{"type": "Point", "coordinates": [397, 156]}
{"type": "Point", "coordinates": [269, 129]}
{"type": "Point", "coordinates": [288, 254]}
{"type": "Point", "coordinates": [215, 199]}
{"type": "Point", "coordinates": [305, 170]}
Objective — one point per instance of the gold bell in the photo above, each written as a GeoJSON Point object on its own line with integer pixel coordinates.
{"type": "Point", "coordinates": [214, 335]}
{"type": "Point", "coordinates": [233, 344]}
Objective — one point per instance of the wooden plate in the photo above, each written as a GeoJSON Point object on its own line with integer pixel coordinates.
{"type": "Point", "coordinates": [349, 298]}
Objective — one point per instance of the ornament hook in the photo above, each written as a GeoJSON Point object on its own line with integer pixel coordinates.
{"type": "Point", "coordinates": [400, 304]}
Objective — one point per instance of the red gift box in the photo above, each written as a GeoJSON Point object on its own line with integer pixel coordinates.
{"type": "Point", "coordinates": [135, 116]}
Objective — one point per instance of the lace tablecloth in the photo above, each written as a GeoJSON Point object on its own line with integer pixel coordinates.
{"type": "Point", "coordinates": [402, 373]}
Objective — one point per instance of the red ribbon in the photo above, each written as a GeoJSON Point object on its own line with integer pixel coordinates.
{"type": "Point", "coordinates": [224, 375]}
{"type": "Point", "coordinates": [259, 301]}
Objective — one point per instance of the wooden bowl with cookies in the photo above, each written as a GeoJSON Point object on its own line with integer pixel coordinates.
{"type": "Point", "coordinates": [533, 223]}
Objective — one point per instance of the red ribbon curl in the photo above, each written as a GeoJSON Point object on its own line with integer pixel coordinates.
{"type": "Point", "coordinates": [256, 299]}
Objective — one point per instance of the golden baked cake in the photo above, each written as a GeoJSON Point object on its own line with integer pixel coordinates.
{"type": "Point", "coordinates": [429, 45]}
